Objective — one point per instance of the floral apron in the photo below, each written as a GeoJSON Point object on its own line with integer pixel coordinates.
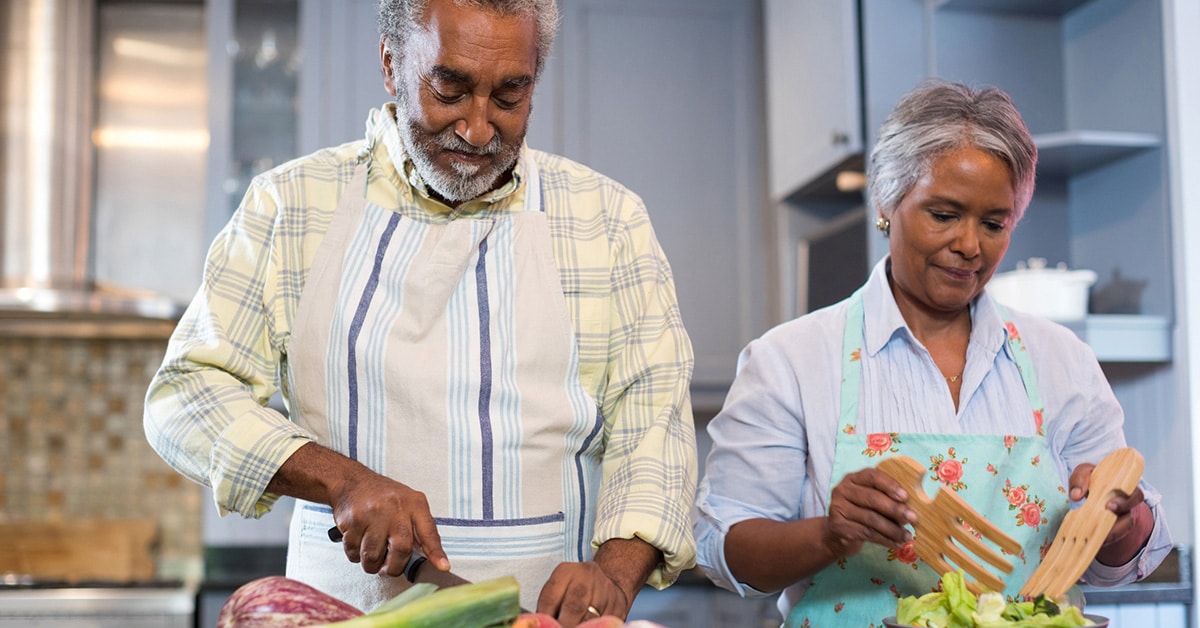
{"type": "Point", "coordinates": [443, 355]}
{"type": "Point", "coordinates": [1001, 476]}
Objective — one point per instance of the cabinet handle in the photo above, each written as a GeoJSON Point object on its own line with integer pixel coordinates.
{"type": "Point", "coordinates": [840, 139]}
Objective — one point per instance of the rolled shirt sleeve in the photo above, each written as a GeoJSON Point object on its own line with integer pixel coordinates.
{"type": "Point", "coordinates": [206, 411]}
{"type": "Point", "coordinates": [636, 360]}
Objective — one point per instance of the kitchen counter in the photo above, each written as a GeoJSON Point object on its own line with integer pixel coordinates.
{"type": "Point", "coordinates": [137, 606]}
{"type": "Point", "coordinates": [1171, 583]}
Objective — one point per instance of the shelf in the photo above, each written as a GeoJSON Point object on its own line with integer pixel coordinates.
{"type": "Point", "coordinates": [1068, 153]}
{"type": "Point", "coordinates": [1125, 337]}
{"type": "Point", "coordinates": [1051, 8]}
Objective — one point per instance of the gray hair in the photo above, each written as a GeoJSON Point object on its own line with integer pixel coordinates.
{"type": "Point", "coordinates": [399, 18]}
{"type": "Point", "coordinates": [937, 117]}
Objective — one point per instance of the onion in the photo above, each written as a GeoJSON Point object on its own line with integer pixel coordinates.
{"type": "Point", "coordinates": [276, 601]}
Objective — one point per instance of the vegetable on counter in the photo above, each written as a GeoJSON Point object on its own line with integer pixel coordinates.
{"type": "Point", "coordinates": [956, 607]}
{"type": "Point", "coordinates": [276, 601]}
{"type": "Point", "coordinates": [476, 605]}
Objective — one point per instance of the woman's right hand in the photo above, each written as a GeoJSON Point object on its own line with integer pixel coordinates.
{"type": "Point", "coordinates": [867, 506]}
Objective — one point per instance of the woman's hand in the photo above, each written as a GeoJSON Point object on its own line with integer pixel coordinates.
{"type": "Point", "coordinates": [1134, 521]}
{"type": "Point", "coordinates": [867, 506]}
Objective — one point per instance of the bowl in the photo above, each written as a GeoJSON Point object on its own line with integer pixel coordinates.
{"type": "Point", "coordinates": [1101, 622]}
{"type": "Point", "coordinates": [1058, 294]}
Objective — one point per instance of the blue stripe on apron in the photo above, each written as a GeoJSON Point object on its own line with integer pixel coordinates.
{"type": "Point", "coordinates": [485, 380]}
{"type": "Point", "coordinates": [587, 442]}
{"type": "Point", "coordinates": [360, 314]}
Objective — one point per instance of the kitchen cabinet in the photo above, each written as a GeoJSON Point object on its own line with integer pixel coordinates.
{"type": "Point", "coordinates": [814, 101]}
{"type": "Point", "coordinates": [664, 96]}
{"type": "Point", "coordinates": [253, 72]}
{"type": "Point", "coordinates": [1087, 77]}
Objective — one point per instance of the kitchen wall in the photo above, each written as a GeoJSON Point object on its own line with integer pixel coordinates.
{"type": "Point", "coordinates": [73, 445]}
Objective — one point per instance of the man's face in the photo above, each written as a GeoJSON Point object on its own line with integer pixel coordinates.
{"type": "Point", "coordinates": [464, 94]}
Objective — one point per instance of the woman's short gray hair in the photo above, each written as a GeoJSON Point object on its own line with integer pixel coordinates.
{"type": "Point", "coordinates": [937, 117]}
{"type": "Point", "coordinates": [399, 18]}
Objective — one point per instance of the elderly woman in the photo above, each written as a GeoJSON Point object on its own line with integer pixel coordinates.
{"type": "Point", "coordinates": [1009, 410]}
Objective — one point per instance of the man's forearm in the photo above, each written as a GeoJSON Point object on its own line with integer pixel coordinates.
{"type": "Point", "coordinates": [628, 563]}
{"type": "Point", "coordinates": [314, 473]}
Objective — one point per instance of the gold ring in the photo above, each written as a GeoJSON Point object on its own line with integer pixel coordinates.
{"type": "Point", "coordinates": [592, 610]}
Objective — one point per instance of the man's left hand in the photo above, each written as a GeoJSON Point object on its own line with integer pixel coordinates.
{"type": "Point", "coordinates": [607, 585]}
{"type": "Point", "coordinates": [577, 592]}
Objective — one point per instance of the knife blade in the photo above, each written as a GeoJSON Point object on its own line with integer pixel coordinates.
{"type": "Point", "coordinates": [419, 569]}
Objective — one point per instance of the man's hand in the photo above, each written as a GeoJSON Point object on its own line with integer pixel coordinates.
{"type": "Point", "coordinates": [381, 520]}
{"type": "Point", "coordinates": [607, 585]}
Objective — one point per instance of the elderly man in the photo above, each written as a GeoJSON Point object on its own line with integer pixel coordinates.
{"type": "Point", "coordinates": [479, 344]}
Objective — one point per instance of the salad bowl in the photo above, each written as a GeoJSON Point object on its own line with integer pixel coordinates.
{"type": "Point", "coordinates": [1100, 622]}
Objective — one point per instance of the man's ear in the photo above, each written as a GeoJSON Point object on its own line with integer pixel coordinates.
{"type": "Point", "coordinates": [385, 63]}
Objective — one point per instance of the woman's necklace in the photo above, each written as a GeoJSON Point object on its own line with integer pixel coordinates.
{"type": "Point", "coordinates": [953, 378]}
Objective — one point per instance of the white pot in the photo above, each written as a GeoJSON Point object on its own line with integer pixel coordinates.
{"type": "Point", "coordinates": [1054, 293]}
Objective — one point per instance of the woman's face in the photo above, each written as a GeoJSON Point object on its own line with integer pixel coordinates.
{"type": "Point", "coordinates": [950, 231]}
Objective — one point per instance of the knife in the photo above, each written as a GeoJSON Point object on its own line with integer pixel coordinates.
{"type": "Point", "coordinates": [417, 569]}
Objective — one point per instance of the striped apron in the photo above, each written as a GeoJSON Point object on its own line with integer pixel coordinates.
{"type": "Point", "coordinates": [443, 356]}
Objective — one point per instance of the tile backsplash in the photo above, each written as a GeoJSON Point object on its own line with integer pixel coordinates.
{"type": "Point", "coordinates": [74, 447]}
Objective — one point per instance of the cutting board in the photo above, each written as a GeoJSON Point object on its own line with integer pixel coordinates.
{"type": "Point", "coordinates": [84, 550]}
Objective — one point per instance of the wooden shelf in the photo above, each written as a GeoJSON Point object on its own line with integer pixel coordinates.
{"type": "Point", "coordinates": [1126, 337]}
{"type": "Point", "coordinates": [1023, 7]}
{"type": "Point", "coordinates": [1068, 153]}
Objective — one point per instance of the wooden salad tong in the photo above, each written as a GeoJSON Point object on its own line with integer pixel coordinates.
{"type": "Point", "coordinates": [1084, 529]}
{"type": "Point", "coordinates": [942, 526]}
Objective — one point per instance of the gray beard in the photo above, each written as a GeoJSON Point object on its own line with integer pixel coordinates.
{"type": "Point", "coordinates": [463, 182]}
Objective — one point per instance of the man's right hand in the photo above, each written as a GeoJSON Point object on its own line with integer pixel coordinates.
{"type": "Point", "coordinates": [381, 520]}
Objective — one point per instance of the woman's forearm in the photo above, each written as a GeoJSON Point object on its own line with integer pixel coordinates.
{"type": "Point", "coordinates": [772, 555]}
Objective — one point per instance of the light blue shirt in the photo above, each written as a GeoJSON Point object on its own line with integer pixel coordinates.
{"type": "Point", "coordinates": [773, 442]}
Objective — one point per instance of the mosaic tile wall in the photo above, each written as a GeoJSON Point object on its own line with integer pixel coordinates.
{"type": "Point", "coordinates": [73, 445]}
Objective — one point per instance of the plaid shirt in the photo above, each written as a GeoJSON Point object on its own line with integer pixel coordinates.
{"type": "Point", "coordinates": [206, 411]}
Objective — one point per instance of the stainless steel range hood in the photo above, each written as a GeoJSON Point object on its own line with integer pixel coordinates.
{"type": "Point", "coordinates": [47, 104]}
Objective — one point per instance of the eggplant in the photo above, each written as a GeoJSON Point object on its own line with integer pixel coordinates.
{"type": "Point", "coordinates": [276, 601]}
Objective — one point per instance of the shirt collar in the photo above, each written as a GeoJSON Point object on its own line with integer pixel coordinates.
{"type": "Point", "coordinates": [884, 322]}
{"type": "Point", "coordinates": [382, 127]}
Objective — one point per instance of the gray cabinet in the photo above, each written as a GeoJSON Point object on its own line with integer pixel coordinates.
{"type": "Point", "coordinates": [814, 104]}
{"type": "Point", "coordinates": [665, 96]}
{"type": "Point", "coordinates": [1088, 78]}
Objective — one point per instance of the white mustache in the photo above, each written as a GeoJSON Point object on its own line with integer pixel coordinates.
{"type": "Point", "coordinates": [449, 140]}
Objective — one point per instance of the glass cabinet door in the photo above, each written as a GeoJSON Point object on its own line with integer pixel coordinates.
{"type": "Point", "coordinates": [254, 108]}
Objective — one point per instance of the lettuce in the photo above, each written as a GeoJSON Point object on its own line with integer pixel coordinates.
{"type": "Point", "coordinates": [956, 607]}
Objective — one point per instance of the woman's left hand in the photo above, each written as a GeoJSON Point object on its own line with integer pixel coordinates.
{"type": "Point", "coordinates": [1134, 519]}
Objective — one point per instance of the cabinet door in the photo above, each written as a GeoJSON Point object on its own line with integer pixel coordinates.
{"type": "Point", "coordinates": [664, 96]}
{"type": "Point", "coordinates": [813, 95]}
{"type": "Point", "coordinates": [341, 79]}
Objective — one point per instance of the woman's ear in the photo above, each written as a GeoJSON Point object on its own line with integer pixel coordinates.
{"type": "Point", "coordinates": [385, 63]}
